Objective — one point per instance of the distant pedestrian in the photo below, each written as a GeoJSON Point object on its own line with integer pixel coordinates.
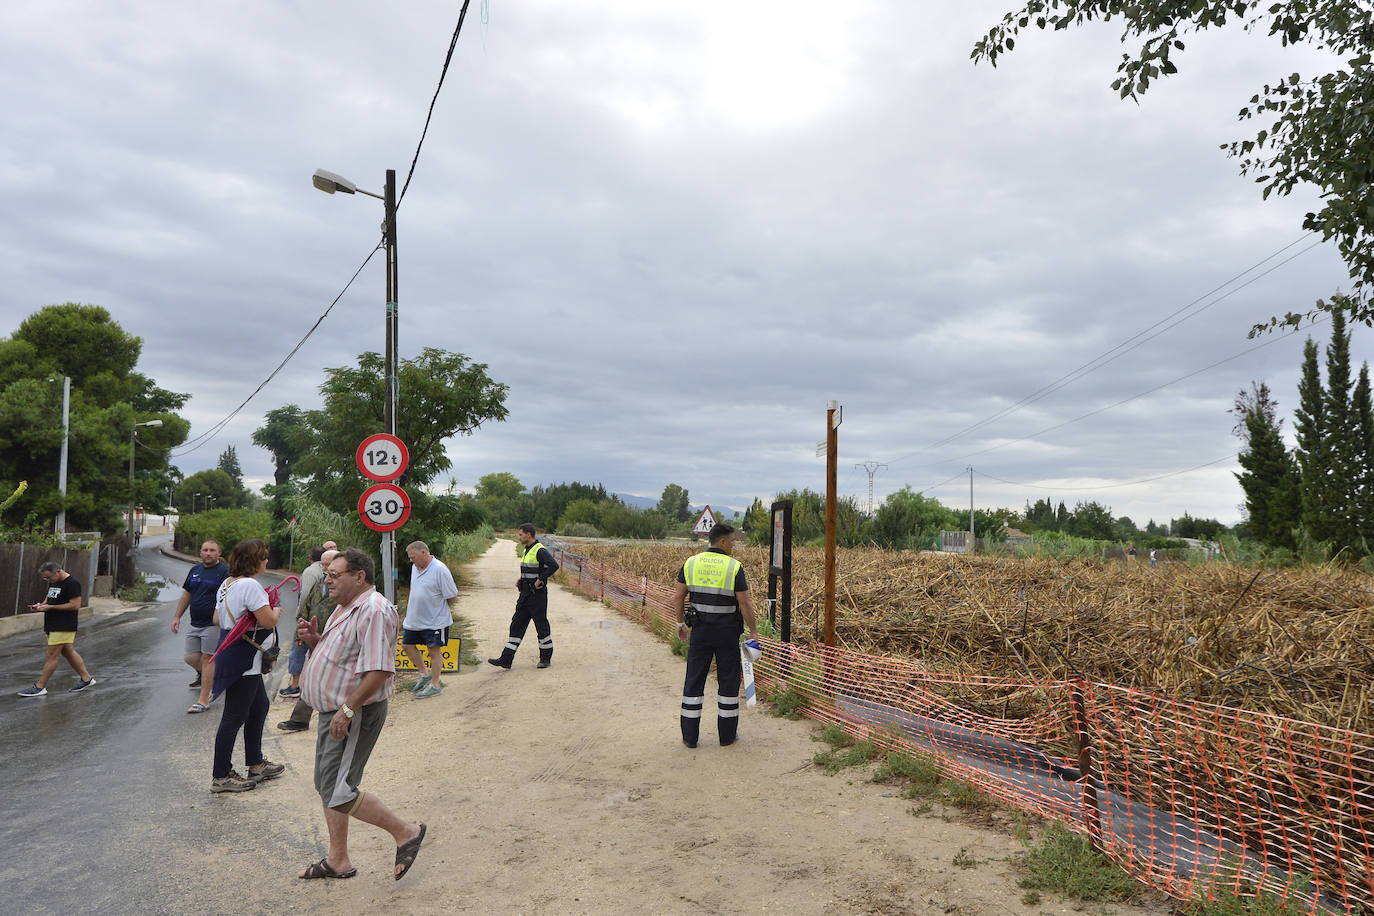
{"type": "Point", "coordinates": [138, 534]}
{"type": "Point", "coordinates": [1152, 558]}
{"type": "Point", "coordinates": [60, 609]}
{"type": "Point", "coordinates": [349, 678]}
{"type": "Point", "coordinates": [312, 582]}
{"type": "Point", "coordinates": [720, 610]}
{"type": "Point", "coordinates": [429, 615]}
{"type": "Point", "coordinates": [202, 636]}
{"type": "Point", "coordinates": [536, 566]}
{"type": "Point", "coordinates": [238, 670]}
{"type": "Point", "coordinates": [1130, 554]}
{"type": "Point", "coordinates": [318, 605]}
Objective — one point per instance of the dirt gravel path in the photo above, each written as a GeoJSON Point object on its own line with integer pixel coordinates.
{"type": "Point", "coordinates": [568, 790]}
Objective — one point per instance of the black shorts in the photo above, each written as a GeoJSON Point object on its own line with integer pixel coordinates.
{"type": "Point", "coordinates": [435, 639]}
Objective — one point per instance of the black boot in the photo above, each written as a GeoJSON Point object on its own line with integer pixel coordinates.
{"type": "Point", "coordinates": [504, 661]}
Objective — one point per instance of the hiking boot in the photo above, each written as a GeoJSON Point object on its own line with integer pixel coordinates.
{"type": "Point", "coordinates": [231, 783]}
{"type": "Point", "coordinates": [265, 771]}
{"type": "Point", "coordinates": [291, 725]}
{"type": "Point", "coordinates": [289, 692]}
{"type": "Point", "coordinates": [82, 685]}
{"type": "Point", "coordinates": [34, 691]}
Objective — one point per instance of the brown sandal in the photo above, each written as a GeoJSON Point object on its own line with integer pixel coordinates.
{"type": "Point", "coordinates": [406, 852]}
{"type": "Point", "coordinates": [322, 869]}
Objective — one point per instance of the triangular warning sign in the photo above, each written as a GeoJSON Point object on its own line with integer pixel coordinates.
{"type": "Point", "coordinates": [705, 521]}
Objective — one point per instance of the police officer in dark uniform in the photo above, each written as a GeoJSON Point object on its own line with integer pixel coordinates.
{"type": "Point", "coordinates": [536, 566]}
{"type": "Point", "coordinates": [720, 610]}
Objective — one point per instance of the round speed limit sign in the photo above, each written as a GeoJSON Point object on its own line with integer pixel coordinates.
{"type": "Point", "coordinates": [382, 457]}
{"type": "Point", "coordinates": [384, 507]}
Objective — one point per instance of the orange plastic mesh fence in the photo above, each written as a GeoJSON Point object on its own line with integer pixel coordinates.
{"type": "Point", "coordinates": [1191, 798]}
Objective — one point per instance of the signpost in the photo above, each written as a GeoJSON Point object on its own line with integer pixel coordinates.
{"type": "Point", "coordinates": [384, 506]}
{"type": "Point", "coordinates": [705, 521]}
{"type": "Point", "coordinates": [382, 458]}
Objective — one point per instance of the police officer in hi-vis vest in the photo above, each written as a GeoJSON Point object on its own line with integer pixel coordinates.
{"type": "Point", "coordinates": [536, 566]}
{"type": "Point", "coordinates": [720, 610]}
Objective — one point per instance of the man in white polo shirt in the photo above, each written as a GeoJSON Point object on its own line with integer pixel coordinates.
{"type": "Point", "coordinates": [429, 614]}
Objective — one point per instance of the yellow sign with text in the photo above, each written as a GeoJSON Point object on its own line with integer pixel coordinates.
{"type": "Point", "coordinates": [451, 653]}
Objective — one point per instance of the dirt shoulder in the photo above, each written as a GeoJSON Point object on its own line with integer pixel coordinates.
{"type": "Point", "coordinates": [568, 790]}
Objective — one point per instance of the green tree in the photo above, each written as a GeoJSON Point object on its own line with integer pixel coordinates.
{"type": "Point", "coordinates": [229, 464]}
{"type": "Point", "coordinates": [503, 500]}
{"type": "Point", "coordinates": [1310, 130]}
{"type": "Point", "coordinates": [1269, 476]}
{"type": "Point", "coordinates": [1313, 452]}
{"type": "Point", "coordinates": [1091, 520]}
{"type": "Point", "coordinates": [757, 524]}
{"type": "Point", "coordinates": [907, 519]}
{"type": "Point", "coordinates": [580, 512]}
{"type": "Point", "coordinates": [442, 395]}
{"type": "Point", "coordinates": [108, 396]}
{"type": "Point", "coordinates": [1345, 449]}
{"type": "Point", "coordinates": [1362, 405]}
{"type": "Point", "coordinates": [673, 503]}
{"type": "Point", "coordinates": [216, 489]}
{"type": "Point", "coordinates": [285, 437]}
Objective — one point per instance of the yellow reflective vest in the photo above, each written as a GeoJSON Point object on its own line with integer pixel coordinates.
{"type": "Point", "coordinates": [710, 579]}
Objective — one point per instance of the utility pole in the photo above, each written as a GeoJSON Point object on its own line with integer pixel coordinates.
{"type": "Point", "coordinates": [833, 416]}
{"type": "Point", "coordinates": [872, 467]}
{"type": "Point", "coordinates": [60, 526]}
{"type": "Point", "coordinates": [392, 366]}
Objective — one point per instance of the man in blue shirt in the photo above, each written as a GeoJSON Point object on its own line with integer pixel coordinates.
{"type": "Point", "coordinates": [202, 636]}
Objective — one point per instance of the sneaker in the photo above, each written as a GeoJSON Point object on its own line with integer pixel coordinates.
{"type": "Point", "coordinates": [82, 685]}
{"type": "Point", "coordinates": [289, 692]}
{"type": "Point", "coordinates": [264, 771]}
{"type": "Point", "coordinates": [34, 691]}
{"type": "Point", "coordinates": [430, 691]}
{"type": "Point", "coordinates": [421, 684]}
{"type": "Point", "coordinates": [291, 725]}
{"type": "Point", "coordinates": [231, 783]}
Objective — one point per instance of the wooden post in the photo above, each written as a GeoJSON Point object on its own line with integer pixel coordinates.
{"type": "Point", "coordinates": [832, 421]}
{"type": "Point", "coordinates": [1085, 762]}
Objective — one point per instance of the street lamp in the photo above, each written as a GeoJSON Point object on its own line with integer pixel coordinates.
{"type": "Point", "coordinates": [329, 183]}
{"type": "Point", "coordinates": [132, 439]}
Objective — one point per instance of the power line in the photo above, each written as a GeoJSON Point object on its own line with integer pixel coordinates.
{"type": "Point", "coordinates": [190, 446]}
{"type": "Point", "coordinates": [1136, 340]}
{"type": "Point", "coordinates": [1109, 486]}
{"type": "Point", "coordinates": [453, 43]}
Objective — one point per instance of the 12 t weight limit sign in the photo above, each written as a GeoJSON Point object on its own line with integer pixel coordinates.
{"type": "Point", "coordinates": [382, 457]}
{"type": "Point", "coordinates": [384, 507]}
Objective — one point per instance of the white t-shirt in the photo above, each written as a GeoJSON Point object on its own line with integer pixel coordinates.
{"type": "Point", "coordinates": [236, 598]}
{"type": "Point", "coordinates": [430, 588]}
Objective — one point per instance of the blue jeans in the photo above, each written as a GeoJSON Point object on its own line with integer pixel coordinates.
{"type": "Point", "coordinates": [295, 662]}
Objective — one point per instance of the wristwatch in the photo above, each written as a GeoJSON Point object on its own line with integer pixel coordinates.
{"type": "Point", "coordinates": [348, 713]}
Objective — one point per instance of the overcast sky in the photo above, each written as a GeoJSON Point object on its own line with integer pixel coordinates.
{"type": "Point", "coordinates": [676, 232]}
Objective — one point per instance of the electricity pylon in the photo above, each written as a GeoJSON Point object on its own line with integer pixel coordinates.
{"type": "Point", "coordinates": [872, 467]}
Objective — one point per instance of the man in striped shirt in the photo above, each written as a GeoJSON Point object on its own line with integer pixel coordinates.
{"type": "Point", "coordinates": [348, 679]}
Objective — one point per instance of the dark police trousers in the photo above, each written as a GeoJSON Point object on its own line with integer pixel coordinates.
{"type": "Point", "coordinates": [533, 604]}
{"type": "Point", "coordinates": [714, 636]}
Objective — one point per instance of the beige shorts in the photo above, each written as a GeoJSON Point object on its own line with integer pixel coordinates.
{"type": "Point", "coordinates": [62, 637]}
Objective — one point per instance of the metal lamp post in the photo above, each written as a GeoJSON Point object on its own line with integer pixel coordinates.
{"type": "Point", "coordinates": [132, 439]}
{"type": "Point", "coordinates": [329, 183]}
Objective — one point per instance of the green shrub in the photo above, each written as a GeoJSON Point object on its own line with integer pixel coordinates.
{"type": "Point", "coordinates": [580, 530]}
{"type": "Point", "coordinates": [788, 704]}
{"type": "Point", "coordinates": [228, 526]}
{"type": "Point", "coordinates": [835, 760]}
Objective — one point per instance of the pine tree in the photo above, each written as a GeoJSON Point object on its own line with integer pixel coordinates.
{"type": "Point", "coordinates": [1342, 481]}
{"type": "Point", "coordinates": [1362, 408]}
{"type": "Point", "coordinates": [1270, 478]}
{"type": "Point", "coordinates": [1312, 454]}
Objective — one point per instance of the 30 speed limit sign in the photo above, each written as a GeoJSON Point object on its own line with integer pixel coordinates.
{"type": "Point", "coordinates": [382, 457]}
{"type": "Point", "coordinates": [384, 507]}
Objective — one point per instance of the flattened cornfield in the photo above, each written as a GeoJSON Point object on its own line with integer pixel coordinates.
{"type": "Point", "coordinates": [1294, 642]}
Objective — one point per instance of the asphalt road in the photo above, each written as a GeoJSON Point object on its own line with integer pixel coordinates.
{"type": "Point", "coordinates": [93, 784]}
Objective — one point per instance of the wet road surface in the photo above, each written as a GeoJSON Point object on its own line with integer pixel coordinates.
{"type": "Point", "coordinates": [96, 786]}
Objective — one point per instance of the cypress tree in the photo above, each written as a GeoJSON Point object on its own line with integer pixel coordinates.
{"type": "Point", "coordinates": [1312, 453]}
{"type": "Point", "coordinates": [1339, 435]}
{"type": "Point", "coordinates": [1270, 476]}
{"type": "Point", "coordinates": [1362, 406]}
